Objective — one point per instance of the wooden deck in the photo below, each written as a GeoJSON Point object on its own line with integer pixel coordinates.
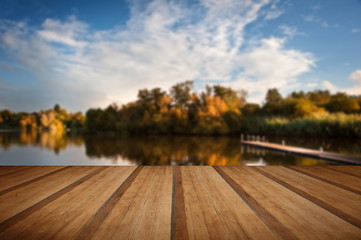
{"type": "Point", "coordinates": [338, 157]}
{"type": "Point", "coordinates": [190, 202]}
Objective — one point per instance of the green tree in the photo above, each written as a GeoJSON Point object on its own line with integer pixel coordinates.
{"type": "Point", "coordinates": [273, 102]}
{"type": "Point", "coordinates": [273, 96]}
{"type": "Point", "coordinates": [319, 97]}
{"type": "Point", "coordinates": [251, 109]}
{"type": "Point", "coordinates": [342, 103]}
{"type": "Point", "coordinates": [57, 108]}
{"type": "Point", "coordinates": [181, 93]}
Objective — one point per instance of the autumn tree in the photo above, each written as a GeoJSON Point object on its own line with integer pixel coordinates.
{"type": "Point", "coordinates": [273, 102]}
{"type": "Point", "coordinates": [340, 102]}
{"type": "Point", "coordinates": [181, 93]}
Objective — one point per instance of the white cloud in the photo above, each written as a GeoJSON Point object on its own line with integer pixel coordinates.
{"type": "Point", "coordinates": [355, 30]}
{"type": "Point", "coordinates": [329, 86]}
{"type": "Point", "coordinates": [162, 44]}
{"type": "Point", "coordinates": [63, 32]}
{"type": "Point", "coordinates": [313, 18]}
{"type": "Point", "coordinates": [270, 65]}
{"type": "Point", "coordinates": [290, 31]}
{"type": "Point", "coordinates": [354, 90]}
{"type": "Point", "coordinates": [312, 85]}
{"type": "Point", "coordinates": [274, 14]}
{"type": "Point", "coordinates": [356, 76]}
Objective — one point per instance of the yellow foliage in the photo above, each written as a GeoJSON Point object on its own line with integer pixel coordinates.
{"type": "Point", "coordinates": [215, 107]}
{"type": "Point", "coordinates": [28, 121]}
{"type": "Point", "coordinates": [180, 113]}
{"type": "Point", "coordinates": [164, 103]}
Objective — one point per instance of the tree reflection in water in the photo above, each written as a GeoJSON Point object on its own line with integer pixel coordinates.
{"type": "Point", "coordinates": [55, 141]}
{"type": "Point", "coordinates": [155, 150]}
{"type": "Point", "coordinates": [167, 150]}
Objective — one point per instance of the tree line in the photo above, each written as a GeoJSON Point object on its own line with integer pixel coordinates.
{"type": "Point", "coordinates": [223, 110]}
{"type": "Point", "coordinates": [216, 110]}
{"type": "Point", "coordinates": [56, 119]}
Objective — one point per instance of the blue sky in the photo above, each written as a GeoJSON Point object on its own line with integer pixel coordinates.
{"type": "Point", "coordinates": [84, 54]}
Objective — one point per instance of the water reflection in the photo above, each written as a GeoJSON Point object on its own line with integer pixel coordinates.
{"type": "Point", "coordinates": [139, 150]}
{"type": "Point", "coordinates": [151, 150]}
{"type": "Point", "coordinates": [54, 141]}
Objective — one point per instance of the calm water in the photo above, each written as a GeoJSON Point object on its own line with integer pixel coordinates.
{"type": "Point", "coordinates": [21, 148]}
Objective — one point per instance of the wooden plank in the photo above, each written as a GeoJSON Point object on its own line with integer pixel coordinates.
{"type": "Point", "coordinates": [250, 223]}
{"type": "Point", "coordinates": [16, 201]}
{"type": "Point", "coordinates": [123, 219]}
{"type": "Point", "coordinates": [64, 217]}
{"type": "Point", "coordinates": [195, 206]}
{"type": "Point", "coordinates": [92, 225]}
{"type": "Point", "coordinates": [154, 221]}
{"type": "Point", "coordinates": [23, 178]}
{"type": "Point", "coordinates": [233, 203]}
{"type": "Point", "coordinates": [302, 217]}
{"type": "Point", "coordinates": [340, 202]}
{"type": "Point", "coordinates": [8, 170]}
{"type": "Point", "coordinates": [264, 215]}
{"type": "Point", "coordinates": [179, 223]}
{"type": "Point", "coordinates": [215, 211]}
{"type": "Point", "coordinates": [350, 170]}
{"type": "Point", "coordinates": [339, 179]}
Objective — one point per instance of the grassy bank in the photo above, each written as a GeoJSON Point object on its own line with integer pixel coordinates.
{"type": "Point", "coordinates": [320, 125]}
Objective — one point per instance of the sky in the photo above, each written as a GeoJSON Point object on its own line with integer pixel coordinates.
{"type": "Point", "coordinates": [85, 54]}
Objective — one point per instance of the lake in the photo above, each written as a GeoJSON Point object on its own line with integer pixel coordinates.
{"type": "Point", "coordinates": [44, 148]}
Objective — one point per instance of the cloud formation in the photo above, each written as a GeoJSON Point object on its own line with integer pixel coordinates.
{"type": "Point", "coordinates": [162, 44]}
{"type": "Point", "coordinates": [315, 19]}
{"type": "Point", "coordinates": [356, 76]}
{"type": "Point", "coordinates": [290, 31]}
{"type": "Point", "coordinates": [356, 89]}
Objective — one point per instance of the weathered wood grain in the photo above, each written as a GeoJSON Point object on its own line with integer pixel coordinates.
{"type": "Point", "coordinates": [20, 208]}
{"type": "Point", "coordinates": [211, 200]}
{"type": "Point", "coordinates": [339, 179]}
{"type": "Point", "coordinates": [23, 178]}
{"type": "Point", "coordinates": [179, 222]}
{"type": "Point", "coordinates": [350, 170]}
{"type": "Point", "coordinates": [130, 213]}
{"type": "Point", "coordinates": [340, 202]}
{"type": "Point", "coordinates": [264, 215]}
{"type": "Point", "coordinates": [154, 220]}
{"type": "Point", "coordinates": [302, 217]}
{"type": "Point", "coordinates": [181, 202]}
{"type": "Point", "coordinates": [63, 217]}
{"type": "Point", "coordinates": [92, 225]}
{"type": "Point", "coordinates": [8, 170]}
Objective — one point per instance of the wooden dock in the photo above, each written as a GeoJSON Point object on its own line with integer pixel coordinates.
{"type": "Point", "coordinates": [338, 157]}
{"type": "Point", "coordinates": [188, 202]}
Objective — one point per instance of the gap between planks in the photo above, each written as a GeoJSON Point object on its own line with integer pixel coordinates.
{"type": "Point", "coordinates": [23, 214]}
{"type": "Point", "coordinates": [179, 229]}
{"type": "Point", "coordinates": [339, 213]}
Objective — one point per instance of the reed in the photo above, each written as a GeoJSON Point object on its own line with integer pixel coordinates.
{"type": "Point", "coordinates": [318, 124]}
